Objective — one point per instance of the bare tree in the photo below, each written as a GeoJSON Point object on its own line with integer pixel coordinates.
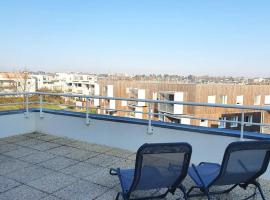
{"type": "Point", "coordinates": [21, 78]}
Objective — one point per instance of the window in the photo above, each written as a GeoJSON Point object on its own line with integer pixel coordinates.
{"type": "Point", "coordinates": [171, 97]}
{"type": "Point", "coordinates": [257, 100]}
{"type": "Point", "coordinates": [211, 99]}
{"type": "Point", "coordinates": [223, 99]}
{"type": "Point", "coordinates": [267, 100]}
{"type": "Point", "coordinates": [155, 96]}
{"type": "Point", "coordinates": [185, 121]}
{"type": "Point", "coordinates": [204, 123]}
{"type": "Point", "coordinates": [223, 123]}
{"type": "Point", "coordinates": [240, 100]}
{"type": "Point", "coordinates": [249, 119]}
{"type": "Point", "coordinates": [124, 103]}
{"type": "Point", "coordinates": [234, 124]}
{"type": "Point", "coordinates": [177, 121]}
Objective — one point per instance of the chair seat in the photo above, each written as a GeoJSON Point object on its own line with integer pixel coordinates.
{"type": "Point", "coordinates": [208, 172]}
{"type": "Point", "coordinates": [126, 178]}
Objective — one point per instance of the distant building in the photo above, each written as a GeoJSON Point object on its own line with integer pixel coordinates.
{"type": "Point", "coordinates": [258, 95]}
{"type": "Point", "coordinates": [136, 87]}
{"type": "Point", "coordinates": [17, 82]}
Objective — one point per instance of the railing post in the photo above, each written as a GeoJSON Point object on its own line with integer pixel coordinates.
{"type": "Point", "coordinates": [150, 130]}
{"type": "Point", "coordinates": [26, 106]}
{"type": "Point", "coordinates": [242, 126]}
{"type": "Point", "coordinates": [87, 112]}
{"type": "Point", "coordinates": [40, 106]}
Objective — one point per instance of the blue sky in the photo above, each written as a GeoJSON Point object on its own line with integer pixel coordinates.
{"type": "Point", "coordinates": [226, 37]}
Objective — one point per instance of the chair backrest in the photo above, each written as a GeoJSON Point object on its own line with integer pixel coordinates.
{"type": "Point", "coordinates": [243, 162]}
{"type": "Point", "coordinates": [160, 166]}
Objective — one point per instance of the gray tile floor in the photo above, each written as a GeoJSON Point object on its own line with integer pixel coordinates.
{"type": "Point", "coordinates": [39, 166]}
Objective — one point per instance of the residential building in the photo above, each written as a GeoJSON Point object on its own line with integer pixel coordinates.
{"type": "Point", "coordinates": [253, 95]}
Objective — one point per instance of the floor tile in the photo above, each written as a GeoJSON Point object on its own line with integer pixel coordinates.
{"type": "Point", "coordinates": [109, 195]}
{"type": "Point", "coordinates": [119, 153]}
{"type": "Point", "coordinates": [38, 157]}
{"type": "Point", "coordinates": [103, 177]}
{"type": "Point", "coordinates": [62, 150]}
{"type": "Point", "coordinates": [22, 192]}
{"type": "Point", "coordinates": [63, 141]}
{"type": "Point", "coordinates": [124, 163]}
{"type": "Point", "coordinates": [9, 147]}
{"type": "Point", "coordinates": [52, 182]}
{"type": "Point", "coordinates": [58, 163]}
{"type": "Point", "coordinates": [20, 152]}
{"type": "Point", "coordinates": [10, 165]}
{"type": "Point", "coordinates": [104, 160]}
{"type": "Point", "coordinates": [92, 147]}
{"type": "Point", "coordinates": [27, 174]}
{"type": "Point", "coordinates": [81, 190]}
{"type": "Point", "coordinates": [4, 157]}
{"type": "Point", "coordinates": [16, 138]}
{"type": "Point", "coordinates": [7, 184]}
{"type": "Point", "coordinates": [29, 143]}
{"type": "Point", "coordinates": [81, 169]}
{"type": "Point", "coordinates": [81, 155]}
{"type": "Point", "coordinates": [45, 146]}
{"type": "Point", "coordinates": [50, 197]}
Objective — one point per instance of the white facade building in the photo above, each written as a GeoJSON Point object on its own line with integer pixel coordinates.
{"type": "Point", "coordinates": [17, 82]}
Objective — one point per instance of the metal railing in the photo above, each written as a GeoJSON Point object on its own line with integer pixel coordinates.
{"type": "Point", "coordinates": [150, 104]}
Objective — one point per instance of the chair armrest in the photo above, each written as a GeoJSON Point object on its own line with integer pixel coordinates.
{"type": "Point", "coordinates": [113, 172]}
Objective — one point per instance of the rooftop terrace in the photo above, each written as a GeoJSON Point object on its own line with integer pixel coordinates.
{"type": "Point", "coordinates": [41, 166]}
{"type": "Point", "coordinates": [60, 154]}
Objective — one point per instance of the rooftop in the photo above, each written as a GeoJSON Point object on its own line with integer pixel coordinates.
{"type": "Point", "coordinates": [41, 166]}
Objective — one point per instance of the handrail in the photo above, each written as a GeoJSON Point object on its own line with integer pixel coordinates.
{"type": "Point", "coordinates": [242, 107]}
{"type": "Point", "coordinates": [149, 102]}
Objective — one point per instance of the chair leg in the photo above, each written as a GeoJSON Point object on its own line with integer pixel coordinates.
{"type": "Point", "coordinates": [190, 190]}
{"type": "Point", "coordinates": [183, 189]}
{"type": "Point", "coordinates": [258, 185]}
{"type": "Point", "coordinates": [117, 196]}
{"type": "Point", "coordinates": [207, 194]}
{"type": "Point", "coordinates": [230, 189]}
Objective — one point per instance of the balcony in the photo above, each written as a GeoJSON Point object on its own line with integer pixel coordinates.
{"type": "Point", "coordinates": [136, 93]}
{"type": "Point", "coordinates": [171, 108]}
{"type": "Point", "coordinates": [52, 154]}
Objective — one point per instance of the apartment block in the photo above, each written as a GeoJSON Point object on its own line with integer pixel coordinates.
{"type": "Point", "coordinates": [253, 95]}
{"type": "Point", "coordinates": [17, 82]}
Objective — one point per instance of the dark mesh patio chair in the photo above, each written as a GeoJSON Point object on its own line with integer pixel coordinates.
{"type": "Point", "coordinates": [242, 164]}
{"type": "Point", "coordinates": [160, 168]}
